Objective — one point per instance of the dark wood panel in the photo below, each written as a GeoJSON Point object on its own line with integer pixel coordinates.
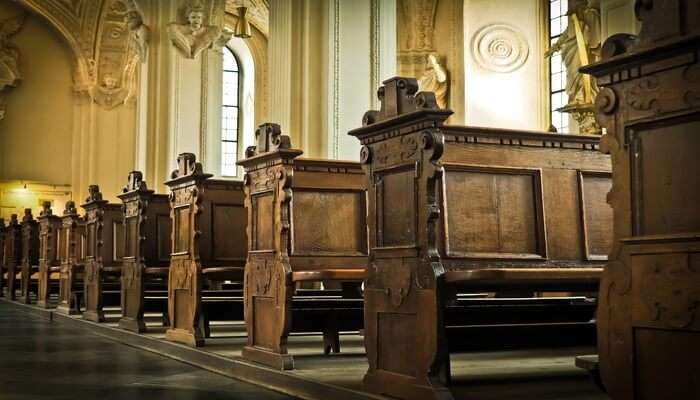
{"type": "Point", "coordinates": [492, 212]}
{"type": "Point", "coordinates": [329, 223]}
{"type": "Point", "coordinates": [228, 231]}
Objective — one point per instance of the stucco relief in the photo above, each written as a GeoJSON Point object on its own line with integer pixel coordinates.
{"type": "Point", "coordinates": [500, 48]}
{"type": "Point", "coordinates": [9, 57]}
{"type": "Point", "coordinates": [191, 34]}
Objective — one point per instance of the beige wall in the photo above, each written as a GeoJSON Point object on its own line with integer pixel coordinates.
{"type": "Point", "coordinates": [35, 135]}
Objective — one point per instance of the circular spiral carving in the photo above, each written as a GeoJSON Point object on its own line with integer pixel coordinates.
{"type": "Point", "coordinates": [365, 155]}
{"type": "Point", "coordinates": [500, 48]}
{"type": "Point", "coordinates": [606, 101]}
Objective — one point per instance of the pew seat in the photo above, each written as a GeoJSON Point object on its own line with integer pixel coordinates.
{"type": "Point", "coordinates": [223, 273]}
{"type": "Point", "coordinates": [329, 275]}
{"type": "Point", "coordinates": [531, 278]}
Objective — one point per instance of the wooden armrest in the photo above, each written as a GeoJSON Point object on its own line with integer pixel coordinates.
{"type": "Point", "coordinates": [223, 273]}
{"type": "Point", "coordinates": [54, 276]}
{"type": "Point", "coordinates": [329, 275]}
{"type": "Point", "coordinates": [157, 271]}
{"type": "Point", "coordinates": [34, 276]}
{"type": "Point", "coordinates": [535, 278]}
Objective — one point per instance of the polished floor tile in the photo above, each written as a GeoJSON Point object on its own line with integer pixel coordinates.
{"type": "Point", "coordinates": [44, 360]}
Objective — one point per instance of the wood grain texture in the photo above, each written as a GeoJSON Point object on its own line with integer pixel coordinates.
{"type": "Point", "coordinates": [649, 329]}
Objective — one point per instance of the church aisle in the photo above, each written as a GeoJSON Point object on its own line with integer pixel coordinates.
{"type": "Point", "coordinates": [44, 360]}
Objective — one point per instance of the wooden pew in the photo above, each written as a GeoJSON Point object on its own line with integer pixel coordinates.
{"type": "Point", "coordinates": [2, 257]}
{"type": "Point", "coordinates": [465, 209]}
{"type": "Point", "coordinates": [208, 245]}
{"type": "Point", "coordinates": [49, 262]}
{"type": "Point", "coordinates": [72, 256]}
{"type": "Point", "coordinates": [649, 103]}
{"type": "Point", "coordinates": [13, 255]}
{"type": "Point", "coordinates": [306, 222]}
{"type": "Point", "coordinates": [147, 231]}
{"type": "Point", "coordinates": [30, 256]}
{"type": "Point", "coordinates": [104, 232]}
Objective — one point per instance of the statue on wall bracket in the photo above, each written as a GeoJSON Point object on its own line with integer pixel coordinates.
{"type": "Point", "coordinates": [580, 45]}
{"type": "Point", "coordinates": [10, 75]}
{"type": "Point", "coordinates": [139, 33]}
{"type": "Point", "coordinates": [191, 36]}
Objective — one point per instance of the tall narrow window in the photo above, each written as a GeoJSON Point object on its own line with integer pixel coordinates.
{"type": "Point", "coordinates": [230, 114]}
{"type": "Point", "coordinates": [558, 21]}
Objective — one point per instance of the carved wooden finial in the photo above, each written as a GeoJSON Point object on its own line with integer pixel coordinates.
{"type": "Point", "coordinates": [14, 220]}
{"type": "Point", "coordinates": [187, 165]}
{"type": "Point", "coordinates": [400, 96]}
{"type": "Point", "coordinates": [135, 182]}
{"type": "Point", "coordinates": [70, 208]}
{"type": "Point", "coordinates": [27, 215]}
{"type": "Point", "coordinates": [46, 209]}
{"type": "Point", "coordinates": [94, 194]}
{"type": "Point", "coordinates": [268, 138]}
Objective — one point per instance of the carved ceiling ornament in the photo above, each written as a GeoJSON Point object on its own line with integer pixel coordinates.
{"type": "Point", "coordinates": [258, 13]}
{"type": "Point", "coordinates": [139, 33]}
{"type": "Point", "coordinates": [97, 33]}
{"type": "Point", "coordinates": [500, 48]}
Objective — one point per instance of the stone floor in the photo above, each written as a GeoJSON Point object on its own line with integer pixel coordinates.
{"type": "Point", "coordinates": [44, 360]}
{"type": "Point", "coordinates": [73, 364]}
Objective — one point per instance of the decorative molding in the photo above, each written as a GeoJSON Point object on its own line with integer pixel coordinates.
{"type": "Point", "coordinates": [336, 79]}
{"type": "Point", "coordinates": [500, 48]}
{"type": "Point", "coordinates": [258, 13]}
{"type": "Point", "coordinates": [10, 75]}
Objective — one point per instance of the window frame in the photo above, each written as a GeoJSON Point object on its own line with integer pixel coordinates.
{"type": "Point", "coordinates": [239, 120]}
{"type": "Point", "coordinates": [564, 128]}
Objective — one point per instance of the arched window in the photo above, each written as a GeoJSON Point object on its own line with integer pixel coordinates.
{"type": "Point", "coordinates": [230, 114]}
{"type": "Point", "coordinates": [558, 21]}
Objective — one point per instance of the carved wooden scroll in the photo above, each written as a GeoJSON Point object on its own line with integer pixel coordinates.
{"type": "Point", "coordinates": [49, 228]}
{"type": "Point", "coordinates": [268, 283]}
{"type": "Point", "coordinates": [30, 253]}
{"type": "Point", "coordinates": [399, 96]}
{"type": "Point", "coordinates": [13, 255]}
{"type": "Point", "coordinates": [147, 234]}
{"type": "Point", "coordinates": [649, 311]}
{"type": "Point", "coordinates": [104, 249]}
{"type": "Point", "coordinates": [70, 252]}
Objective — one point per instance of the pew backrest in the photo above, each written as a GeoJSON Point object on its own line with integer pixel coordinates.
{"type": "Point", "coordinates": [30, 239]}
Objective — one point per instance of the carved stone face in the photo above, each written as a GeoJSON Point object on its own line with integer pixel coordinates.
{"type": "Point", "coordinates": [109, 81]}
{"type": "Point", "coordinates": [196, 19]}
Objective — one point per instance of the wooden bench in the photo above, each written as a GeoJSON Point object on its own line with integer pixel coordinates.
{"type": "Point", "coordinates": [456, 209]}
{"type": "Point", "coordinates": [306, 222]}
{"type": "Point", "coordinates": [30, 256]}
{"type": "Point", "coordinates": [104, 233]}
{"type": "Point", "coordinates": [49, 262]}
{"type": "Point", "coordinates": [147, 230]}
{"type": "Point", "coordinates": [13, 256]}
{"type": "Point", "coordinates": [208, 247]}
{"type": "Point", "coordinates": [71, 250]}
{"type": "Point", "coordinates": [649, 311]}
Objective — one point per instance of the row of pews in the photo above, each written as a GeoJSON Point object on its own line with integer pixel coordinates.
{"type": "Point", "coordinates": [441, 239]}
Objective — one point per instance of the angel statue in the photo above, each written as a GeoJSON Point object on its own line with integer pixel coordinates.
{"type": "Point", "coordinates": [434, 80]}
{"type": "Point", "coordinates": [192, 37]}
{"type": "Point", "coordinates": [9, 53]}
{"type": "Point", "coordinates": [579, 45]}
{"type": "Point", "coordinates": [139, 32]}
